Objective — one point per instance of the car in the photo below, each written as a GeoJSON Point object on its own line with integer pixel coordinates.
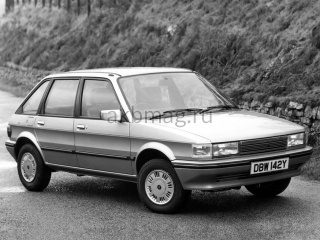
{"type": "Point", "coordinates": [167, 129]}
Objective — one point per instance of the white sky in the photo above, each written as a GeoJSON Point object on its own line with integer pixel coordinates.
{"type": "Point", "coordinates": [2, 7]}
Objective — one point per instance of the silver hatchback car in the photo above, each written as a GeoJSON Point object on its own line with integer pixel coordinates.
{"type": "Point", "coordinates": [167, 129]}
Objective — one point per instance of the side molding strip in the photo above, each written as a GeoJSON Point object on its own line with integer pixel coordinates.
{"type": "Point", "coordinates": [92, 172]}
{"type": "Point", "coordinates": [86, 153]}
{"type": "Point", "coordinates": [104, 155]}
{"type": "Point", "coordinates": [56, 150]}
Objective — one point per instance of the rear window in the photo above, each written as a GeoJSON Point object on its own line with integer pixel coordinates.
{"type": "Point", "coordinates": [32, 104]}
{"type": "Point", "coordinates": [61, 98]}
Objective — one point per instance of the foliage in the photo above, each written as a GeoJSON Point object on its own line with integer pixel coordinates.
{"type": "Point", "coordinates": [251, 49]}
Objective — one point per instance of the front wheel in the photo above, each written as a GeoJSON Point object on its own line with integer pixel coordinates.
{"type": "Point", "coordinates": [159, 187]}
{"type": "Point", "coordinates": [33, 173]}
{"type": "Point", "coordinates": [269, 189]}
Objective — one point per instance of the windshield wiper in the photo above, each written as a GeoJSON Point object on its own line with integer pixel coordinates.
{"type": "Point", "coordinates": [218, 107]}
{"type": "Point", "coordinates": [176, 112]}
{"type": "Point", "coordinates": [181, 110]}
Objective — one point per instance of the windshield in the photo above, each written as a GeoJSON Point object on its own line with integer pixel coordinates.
{"type": "Point", "coordinates": [153, 94]}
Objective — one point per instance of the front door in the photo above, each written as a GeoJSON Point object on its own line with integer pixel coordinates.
{"type": "Point", "coordinates": [101, 145]}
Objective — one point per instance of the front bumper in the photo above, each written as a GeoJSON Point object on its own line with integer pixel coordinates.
{"type": "Point", "coordinates": [235, 172]}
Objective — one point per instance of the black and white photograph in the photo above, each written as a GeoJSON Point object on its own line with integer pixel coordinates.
{"type": "Point", "coordinates": [160, 119]}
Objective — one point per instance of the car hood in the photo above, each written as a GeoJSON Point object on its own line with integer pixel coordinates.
{"type": "Point", "coordinates": [232, 125]}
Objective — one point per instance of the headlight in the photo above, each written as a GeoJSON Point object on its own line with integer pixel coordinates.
{"type": "Point", "coordinates": [295, 140]}
{"type": "Point", "coordinates": [201, 150]}
{"type": "Point", "coordinates": [225, 149]}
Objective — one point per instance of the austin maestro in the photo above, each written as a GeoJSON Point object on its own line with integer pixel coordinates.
{"type": "Point", "coordinates": [167, 129]}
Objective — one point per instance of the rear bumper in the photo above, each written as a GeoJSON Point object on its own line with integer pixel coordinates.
{"type": "Point", "coordinates": [235, 172]}
{"type": "Point", "coordinates": [10, 147]}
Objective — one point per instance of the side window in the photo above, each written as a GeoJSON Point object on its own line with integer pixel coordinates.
{"type": "Point", "coordinates": [32, 104]}
{"type": "Point", "coordinates": [61, 98]}
{"type": "Point", "coordinates": [97, 96]}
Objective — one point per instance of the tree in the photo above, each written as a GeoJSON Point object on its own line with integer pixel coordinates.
{"type": "Point", "coordinates": [59, 3]}
{"type": "Point", "coordinates": [43, 3]}
{"type": "Point", "coordinates": [100, 5]}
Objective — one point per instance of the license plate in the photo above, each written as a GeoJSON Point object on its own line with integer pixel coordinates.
{"type": "Point", "coordinates": [269, 166]}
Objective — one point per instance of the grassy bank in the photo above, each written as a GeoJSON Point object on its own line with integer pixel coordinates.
{"type": "Point", "coordinates": [257, 50]}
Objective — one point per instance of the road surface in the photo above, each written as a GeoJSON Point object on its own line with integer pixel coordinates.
{"type": "Point", "coordinates": [97, 208]}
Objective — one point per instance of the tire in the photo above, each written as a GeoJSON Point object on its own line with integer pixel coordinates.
{"type": "Point", "coordinates": [159, 187]}
{"type": "Point", "coordinates": [269, 189]}
{"type": "Point", "coordinates": [33, 173]}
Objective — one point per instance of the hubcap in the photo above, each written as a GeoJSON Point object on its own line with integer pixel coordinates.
{"type": "Point", "coordinates": [159, 187]}
{"type": "Point", "coordinates": [28, 167]}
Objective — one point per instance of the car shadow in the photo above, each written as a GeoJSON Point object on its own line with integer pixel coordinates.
{"type": "Point", "coordinates": [230, 203]}
{"type": "Point", "coordinates": [221, 204]}
{"type": "Point", "coordinates": [94, 187]}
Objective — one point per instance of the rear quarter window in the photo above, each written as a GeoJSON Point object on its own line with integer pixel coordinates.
{"type": "Point", "coordinates": [32, 104]}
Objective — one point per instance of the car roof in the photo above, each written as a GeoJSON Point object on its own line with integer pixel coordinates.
{"type": "Point", "coordinates": [122, 71]}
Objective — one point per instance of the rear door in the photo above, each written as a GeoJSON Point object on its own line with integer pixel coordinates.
{"type": "Point", "coordinates": [101, 145]}
{"type": "Point", "coordinates": [54, 124]}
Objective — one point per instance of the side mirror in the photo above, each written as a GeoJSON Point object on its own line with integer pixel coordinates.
{"type": "Point", "coordinates": [111, 115]}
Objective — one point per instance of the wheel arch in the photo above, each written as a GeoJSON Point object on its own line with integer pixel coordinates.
{"type": "Point", "coordinates": [26, 138]}
{"type": "Point", "coordinates": [150, 151]}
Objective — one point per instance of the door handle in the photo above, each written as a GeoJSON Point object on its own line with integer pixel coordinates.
{"type": "Point", "coordinates": [41, 123]}
{"type": "Point", "coordinates": [81, 127]}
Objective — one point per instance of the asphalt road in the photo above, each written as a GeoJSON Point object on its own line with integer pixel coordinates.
{"type": "Point", "coordinates": [97, 208]}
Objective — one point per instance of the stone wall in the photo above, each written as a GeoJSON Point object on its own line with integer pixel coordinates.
{"type": "Point", "coordinates": [304, 115]}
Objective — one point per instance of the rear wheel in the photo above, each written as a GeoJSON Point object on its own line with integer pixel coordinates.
{"type": "Point", "coordinates": [33, 173]}
{"type": "Point", "coordinates": [269, 189]}
{"type": "Point", "coordinates": [159, 187]}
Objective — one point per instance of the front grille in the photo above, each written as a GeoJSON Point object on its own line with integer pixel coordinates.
{"type": "Point", "coordinates": [263, 145]}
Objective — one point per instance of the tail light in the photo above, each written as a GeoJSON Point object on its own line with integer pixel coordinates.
{"type": "Point", "coordinates": [9, 131]}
